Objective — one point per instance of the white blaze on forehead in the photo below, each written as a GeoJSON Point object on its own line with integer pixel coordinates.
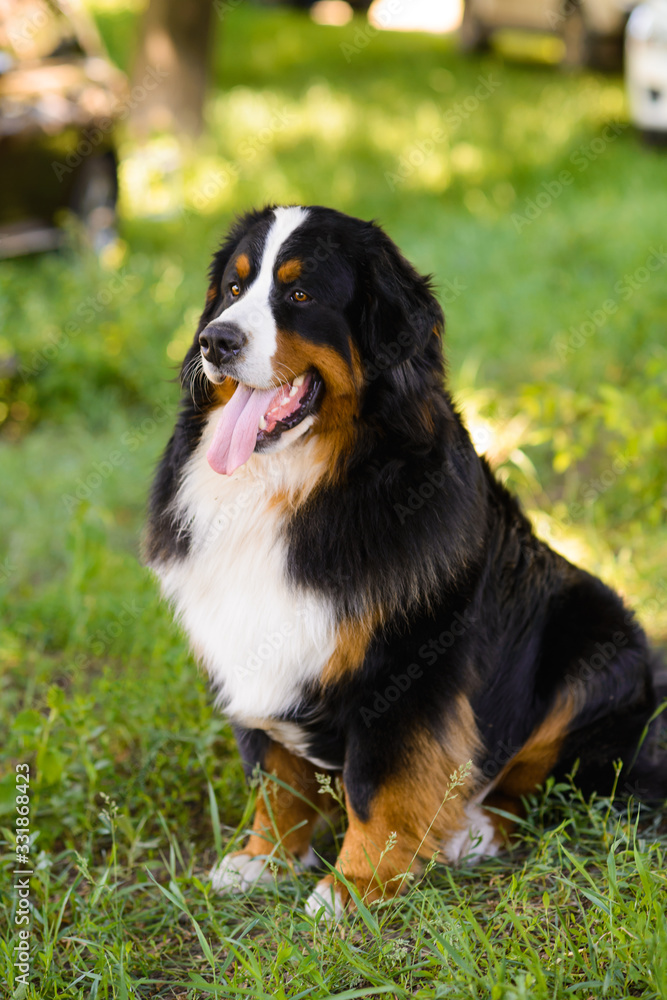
{"type": "Point", "coordinates": [252, 312]}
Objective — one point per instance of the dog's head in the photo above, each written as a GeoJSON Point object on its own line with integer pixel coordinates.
{"type": "Point", "coordinates": [307, 309]}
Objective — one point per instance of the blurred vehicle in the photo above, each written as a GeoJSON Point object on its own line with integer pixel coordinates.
{"type": "Point", "coordinates": [60, 97]}
{"type": "Point", "coordinates": [592, 30]}
{"type": "Point", "coordinates": [646, 69]}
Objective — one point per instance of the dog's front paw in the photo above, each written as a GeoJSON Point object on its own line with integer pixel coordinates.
{"type": "Point", "coordinates": [325, 901]}
{"type": "Point", "coordinates": [238, 872]}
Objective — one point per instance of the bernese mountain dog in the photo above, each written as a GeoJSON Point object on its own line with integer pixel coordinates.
{"type": "Point", "coordinates": [368, 600]}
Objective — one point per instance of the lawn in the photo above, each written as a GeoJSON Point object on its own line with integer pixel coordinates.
{"type": "Point", "coordinates": [526, 194]}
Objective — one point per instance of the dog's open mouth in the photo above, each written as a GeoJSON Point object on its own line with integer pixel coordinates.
{"type": "Point", "coordinates": [256, 416]}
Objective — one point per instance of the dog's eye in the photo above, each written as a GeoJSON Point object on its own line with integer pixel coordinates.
{"type": "Point", "coordinates": [299, 296]}
{"type": "Point", "coordinates": [235, 288]}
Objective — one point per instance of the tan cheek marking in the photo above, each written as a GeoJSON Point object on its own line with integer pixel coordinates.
{"type": "Point", "coordinates": [242, 265]}
{"type": "Point", "coordinates": [278, 812]}
{"type": "Point", "coordinates": [290, 270]}
{"type": "Point", "coordinates": [335, 426]}
{"type": "Point", "coordinates": [418, 804]}
{"type": "Point", "coordinates": [294, 355]}
{"type": "Point", "coordinates": [211, 294]}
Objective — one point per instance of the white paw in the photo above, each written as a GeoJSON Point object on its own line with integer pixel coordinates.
{"type": "Point", "coordinates": [238, 872]}
{"type": "Point", "coordinates": [476, 840]}
{"type": "Point", "coordinates": [324, 903]}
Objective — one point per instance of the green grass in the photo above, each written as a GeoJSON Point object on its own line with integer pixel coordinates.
{"type": "Point", "coordinates": [135, 780]}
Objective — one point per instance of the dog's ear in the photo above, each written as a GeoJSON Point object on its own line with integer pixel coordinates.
{"type": "Point", "coordinates": [400, 314]}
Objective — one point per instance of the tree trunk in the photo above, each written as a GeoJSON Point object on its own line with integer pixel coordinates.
{"type": "Point", "coordinates": [171, 67]}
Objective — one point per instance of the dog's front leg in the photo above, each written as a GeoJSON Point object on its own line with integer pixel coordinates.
{"type": "Point", "coordinates": [397, 822]}
{"type": "Point", "coordinates": [283, 823]}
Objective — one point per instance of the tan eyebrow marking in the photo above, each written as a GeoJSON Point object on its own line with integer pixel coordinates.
{"type": "Point", "coordinates": [290, 270]}
{"type": "Point", "coordinates": [243, 265]}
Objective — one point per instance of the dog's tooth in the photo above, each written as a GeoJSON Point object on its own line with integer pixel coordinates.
{"type": "Point", "coordinates": [262, 424]}
{"type": "Point", "coordinates": [293, 391]}
{"type": "Point", "coordinates": [299, 380]}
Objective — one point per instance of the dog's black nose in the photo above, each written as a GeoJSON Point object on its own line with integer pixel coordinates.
{"type": "Point", "coordinates": [221, 342]}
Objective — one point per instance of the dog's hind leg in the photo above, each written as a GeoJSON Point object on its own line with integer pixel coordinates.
{"type": "Point", "coordinates": [616, 704]}
{"type": "Point", "coordinates": [491, 816]}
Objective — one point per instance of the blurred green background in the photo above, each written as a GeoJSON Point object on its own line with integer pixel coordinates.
{"type": "Point", "coordinates": [556, 315]}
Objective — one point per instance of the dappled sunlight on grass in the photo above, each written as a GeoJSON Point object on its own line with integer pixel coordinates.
{"type": "Point", "coordinates": [574, 518]}
{"type": "Point", "coordinates": [150, 179]}
{"type": "Point", "coordinates": [593, 546]}
{"type": "Point", "coordinates": [98, 7]}
{"type": "Point", "coordinates": [459, 125]}
{"type": "Point", "coordinates": [529, 46]}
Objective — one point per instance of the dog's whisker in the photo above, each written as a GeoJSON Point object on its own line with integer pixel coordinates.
{"type": "Point", "coordinates": [291, 370]}
{"type": "Point", "coordinates": [204, 382]}
{"type": "Point", "coordinates": [196, 373]}
{"type": "Point", "coordinates": [185, 373]}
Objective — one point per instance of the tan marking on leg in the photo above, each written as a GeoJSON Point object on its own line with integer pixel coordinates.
{"type": "Point", "coordinates": [282, 818]}
{"type": "Point", "coordinates": [539, 754]}
{"type": "Point", "coordinates": [242, 265]}
{"type": "Point", "coordinates": [290, 270]}
{"type": "Point", "coordinates": [529, 768]}
{"type": "Point", "coordinates": [418, 804]}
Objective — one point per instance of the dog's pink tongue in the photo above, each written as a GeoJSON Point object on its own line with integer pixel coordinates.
{"type": "Point", "coordinates": [236, 434]}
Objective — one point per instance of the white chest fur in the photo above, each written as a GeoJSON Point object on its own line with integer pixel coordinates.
{"type": "Point", "coordinates": [259, 637]}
